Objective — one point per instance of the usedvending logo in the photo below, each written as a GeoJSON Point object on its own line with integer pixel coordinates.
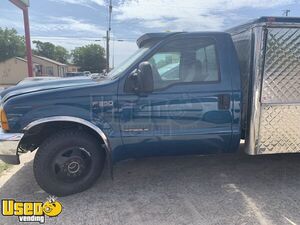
{"type": "Point", "coordinates": [31, 211]}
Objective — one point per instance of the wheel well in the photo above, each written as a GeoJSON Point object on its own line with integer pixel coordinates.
{"type": "Point", "coordinates": [36, 135]}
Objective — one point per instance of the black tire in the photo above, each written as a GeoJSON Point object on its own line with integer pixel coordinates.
{"type": "Point", "coordinates": [68, 162]}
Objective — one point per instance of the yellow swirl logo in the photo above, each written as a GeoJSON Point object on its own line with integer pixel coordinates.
{"type": "Point", "coordinates": [31, 211]}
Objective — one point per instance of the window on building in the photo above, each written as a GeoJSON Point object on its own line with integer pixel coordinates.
{"type": "Point", "coordinates": [49, 71]}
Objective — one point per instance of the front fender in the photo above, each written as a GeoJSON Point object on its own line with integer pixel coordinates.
{"type": "Point", "coordinates": [40, 113]}
{"type": "Point", "coordinates": [82, 122]}
{"type": "Point", "coordinates": [74, 120]}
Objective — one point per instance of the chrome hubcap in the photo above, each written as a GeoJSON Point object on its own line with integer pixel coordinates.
{"type": "Point", "coordinates": [72, 164]}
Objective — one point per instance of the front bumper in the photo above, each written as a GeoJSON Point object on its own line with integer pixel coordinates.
{"type": "Point", "coordinates": [9, 143]}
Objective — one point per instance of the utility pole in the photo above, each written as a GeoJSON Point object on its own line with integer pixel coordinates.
{"type": "Point", "coordinates": [286, 12]}
{"type": "Point", "coordinates": [108, 36]}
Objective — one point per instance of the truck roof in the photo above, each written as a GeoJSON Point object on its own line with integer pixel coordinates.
{"type": "Point", "coordinates": [154, 36]}
{"type": "Point", "coordinates": [265, 20]}
{"type": "Point", "coordinates": [146, 38]}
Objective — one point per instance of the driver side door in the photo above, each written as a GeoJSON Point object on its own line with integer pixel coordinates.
{"type": "Point", "coordinates": [189, 110]}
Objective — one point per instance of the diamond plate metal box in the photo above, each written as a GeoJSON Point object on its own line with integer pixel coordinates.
{"type": "Point", "coordinates": [273, 109]}
{"type": "Point", "coordinates": [281, 79]}
{"type": "Point", "coordinates": [279, 130]}
{"type": "Point", "coordinates": [279, 127]}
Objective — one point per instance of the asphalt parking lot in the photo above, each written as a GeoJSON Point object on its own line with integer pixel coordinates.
{"type": "Point", "coordinates": [226, 189]}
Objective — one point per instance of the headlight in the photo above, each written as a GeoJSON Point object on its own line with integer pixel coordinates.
{"type": "Point", "coordinates": [4, 122]}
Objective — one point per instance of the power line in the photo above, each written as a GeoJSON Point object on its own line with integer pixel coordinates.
{"type": "Point", "coordinates": [86, 38]}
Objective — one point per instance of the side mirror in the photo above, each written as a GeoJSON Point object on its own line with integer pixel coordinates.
{"type": "Point", "coordinates": [146, 77]}
{"type": "Point", "coordinates": [141, 80]}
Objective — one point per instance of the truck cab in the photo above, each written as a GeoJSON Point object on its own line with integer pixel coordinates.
{"type": "Point", "coordinates": [190, 101]}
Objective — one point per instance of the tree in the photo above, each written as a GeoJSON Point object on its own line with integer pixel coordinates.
{"type": "Point", "coordinates": [51, 51]}
{"type": "Point", "coordinates": [89, 58]}
{"type": "Point", "coordinates": [11, 44]}
{"type": "Point", "coordinates": [61, 54]}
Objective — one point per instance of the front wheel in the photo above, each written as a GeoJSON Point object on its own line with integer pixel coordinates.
{"type": "Point", "coordinates": [68, 162]}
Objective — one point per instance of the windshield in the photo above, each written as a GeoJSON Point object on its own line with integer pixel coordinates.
{"type": "Point", "coordinates": [123, 66]}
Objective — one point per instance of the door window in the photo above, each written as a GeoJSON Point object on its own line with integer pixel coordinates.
{"type": "Point", "coordinates": [206, 56]}
{"type": "Point", "coordinates": [167, 65]}
{"type": "Point", "coordinates": [185, 61]}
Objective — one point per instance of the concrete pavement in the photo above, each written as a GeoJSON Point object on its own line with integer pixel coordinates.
{"type": "Point", "coordinates": [226, 189]}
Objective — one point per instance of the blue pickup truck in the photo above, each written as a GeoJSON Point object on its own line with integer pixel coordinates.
{"type": "Point", "coordinates": [180, 93]}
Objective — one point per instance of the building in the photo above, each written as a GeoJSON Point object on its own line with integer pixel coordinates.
{"type": "Point", "coordinates": [48, 67]}
{"type": "Point", "coordinates": [13, 71]}
{"type": "Point", "coordinates": [72, 68]}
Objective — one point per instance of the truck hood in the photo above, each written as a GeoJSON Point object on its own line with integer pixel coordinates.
{"type": "Point", "coordinates": [36, 86]}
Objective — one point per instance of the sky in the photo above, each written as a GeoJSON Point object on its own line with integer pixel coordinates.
{"type": "Point", "coordinates": [74, 23]}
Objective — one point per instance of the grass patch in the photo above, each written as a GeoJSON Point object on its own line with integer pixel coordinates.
{"type": "Point", "coordinates": [3, 167]}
